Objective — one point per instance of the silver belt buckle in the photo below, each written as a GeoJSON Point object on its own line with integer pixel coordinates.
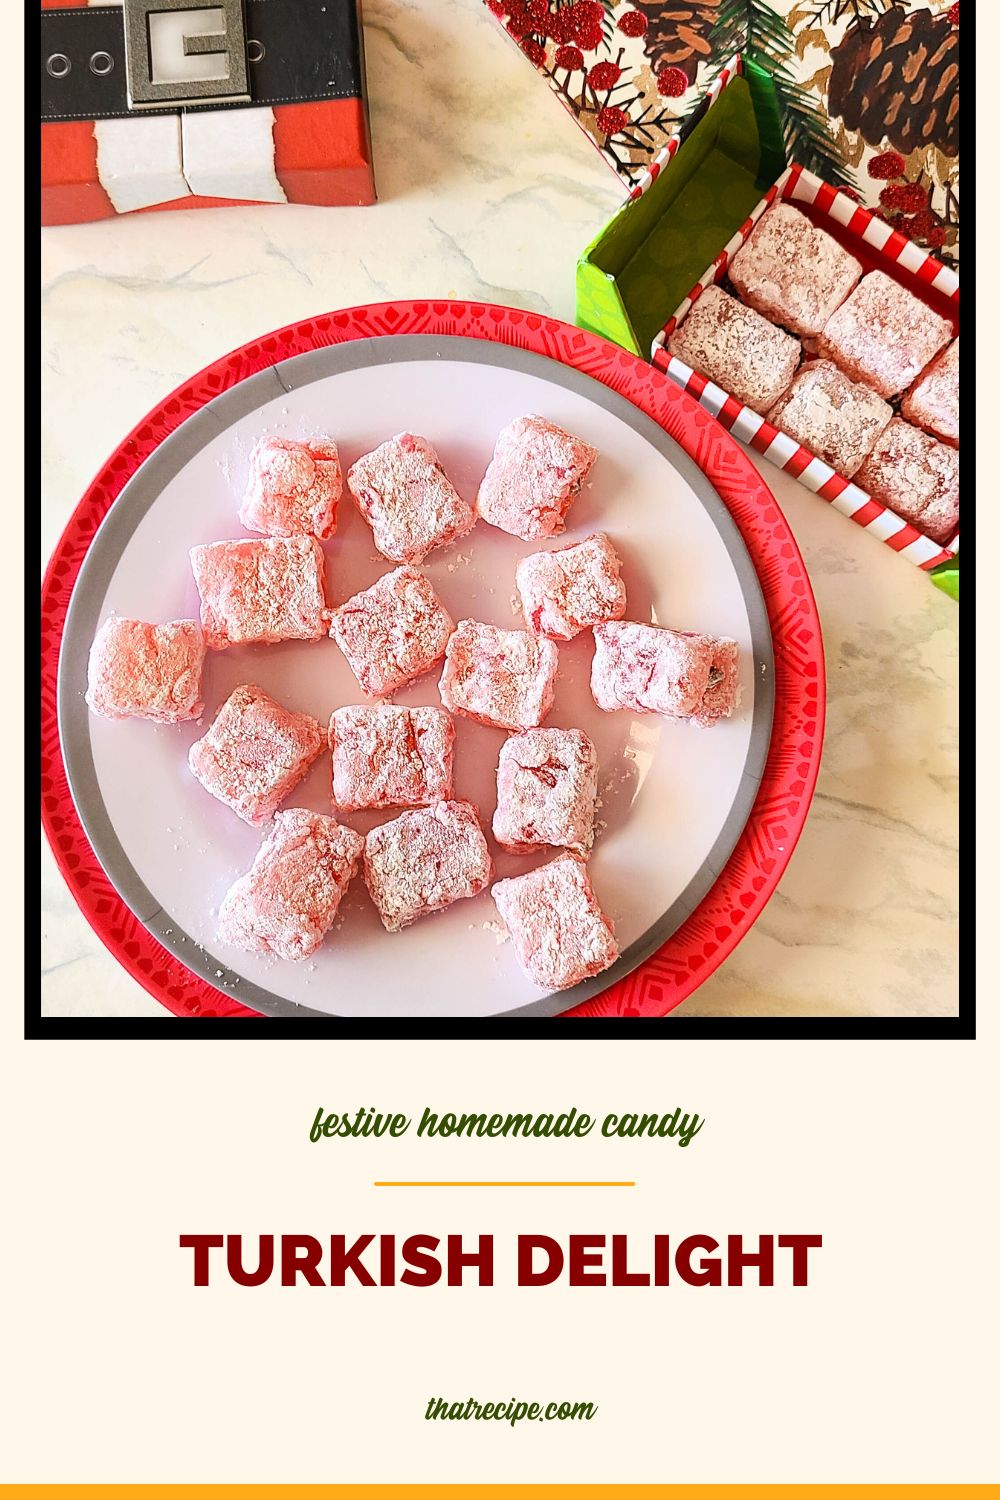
{"type": "Point", "coordinates": [163, 55]}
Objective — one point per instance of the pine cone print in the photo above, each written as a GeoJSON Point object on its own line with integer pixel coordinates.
{"type": "Point", "coordinates": [677, 36]}
{"type": "Point", "coordinates": [895, 79]}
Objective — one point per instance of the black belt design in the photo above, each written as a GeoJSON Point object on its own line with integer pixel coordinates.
{"type": "Point", "coordinates": [293, 51]}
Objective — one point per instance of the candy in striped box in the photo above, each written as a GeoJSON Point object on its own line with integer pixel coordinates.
{"type": "Point", "coordinates": [878, 246]}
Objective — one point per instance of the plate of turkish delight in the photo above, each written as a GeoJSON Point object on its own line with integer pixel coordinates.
{"type": "Point", "coordinates": [421, 667]}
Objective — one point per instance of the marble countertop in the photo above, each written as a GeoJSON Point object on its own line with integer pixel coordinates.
{"type": "Point", "coordinates": [488, 190]}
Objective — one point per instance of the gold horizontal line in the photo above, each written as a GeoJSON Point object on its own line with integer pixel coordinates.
{"type": "Point", "coordinates": [495, 1183]}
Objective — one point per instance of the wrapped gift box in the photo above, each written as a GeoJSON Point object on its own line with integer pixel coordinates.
{"type": "Point", "coordinates": [859, 77]}
{"type": "Point", "coordinates": [689, 214]}
{"type": "Point", "coordinates": [147, 105]}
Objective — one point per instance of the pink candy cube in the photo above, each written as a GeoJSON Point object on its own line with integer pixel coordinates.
{"type": "Point", "coordinates": [792, 271]}
{"type": "Point", "coordinates": [736, 348]}
{"type": "Point", "coordinates": [407, 499]}
{"type": "Point", "coordinates": [649, 669]}
{"type": "Point", "coordinates": [546, 791]}
{"type": "Point", "coordinates": [504, 678]}
{"type": "Point", "coordinates": [257, 592]}
{"type": "Point", "coordinates": [288, 900]}
{"type": "Point", "coordinates": [255, 753]}
{"type": "Point", "coordinates": [883, 335]}
{"type": "Point", "coordinates": [559, 933]}
{"type": "Point", "coordinates": [392, 632]}
{"type": "Point", "coordinates": [916, 476]}
{"type": "Point", "coordinates": [294, 488]}
{"type": "Point", "coordinates": [424, 861]}
{"type": "Point", "coordinates": [385, 756]}
{"type": "Point", "coordinates": [565, 591]}
{"type": "Point", "coordinates": [536, 470]}
{"type": "Point", "coordinates": [145, 671]}
{"type": "Point", "coordinates": [833, 417]}
{"type": "Point", "coordinates": [932, 403]}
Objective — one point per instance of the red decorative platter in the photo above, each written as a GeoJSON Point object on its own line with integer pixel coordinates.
{"type": "Point", "coordinates": [715, 908]}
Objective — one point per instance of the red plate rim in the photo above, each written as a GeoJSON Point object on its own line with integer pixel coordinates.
{"type": "Point", "coordinates": [779, 812]}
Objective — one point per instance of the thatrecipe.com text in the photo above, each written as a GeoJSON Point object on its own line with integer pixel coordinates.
{"type": "Point", "coordinates": [536, 1260]}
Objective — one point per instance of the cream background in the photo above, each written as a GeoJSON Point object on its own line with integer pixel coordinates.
{"type": "Point", "coordinates": [490, 191]}
{"type": "Point", "coordinates": [884, 1368]}
{"type": "Point", "coordinates": [119, 1369]}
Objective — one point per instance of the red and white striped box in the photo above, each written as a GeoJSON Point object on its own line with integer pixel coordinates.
{"type": "Point", "coordinates": [877, 245]}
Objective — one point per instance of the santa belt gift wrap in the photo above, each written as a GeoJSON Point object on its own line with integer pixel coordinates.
{"type": "Point", "coordinates": [155, 104]}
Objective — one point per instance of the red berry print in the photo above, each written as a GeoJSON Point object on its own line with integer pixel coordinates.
{"type": "Point", "coordinates": [518, 22]}
{"type": "Point", "coordinates": [909, 197]}
{"type": "Point", "coordinates": [538, 10]}
{"type": "Point", "coordinates": [633, 23]}
{"type": "Point", "coordinates": [935, 238]}
{"type": "Point", "coordinates": [672, 82]}
{"type": "Point", "coordinates": [887, 166]}
{"type": "Point", "coordinates": [604, 75]}
{"type": "Point", "coordinates": [498, 7]}
{"type": "Point", "coordinates": [923, 224]}
{"type": "Point", "coordinates": [560, 26]}
{"type": "Point", "coordinates": [611, 119]}
{"type": "Point", "coordinates": [953, 14]}
{"type": "Point", "coordinates": [533, 51]}
{"type": "Point", "coordinates": [568, 57]}
{"type": "Point", "coordinates": [912, 198]}
{"type": "Point", "coordinates": [894, 195]}
{"type": "Point", "coordinates": [588, 23]}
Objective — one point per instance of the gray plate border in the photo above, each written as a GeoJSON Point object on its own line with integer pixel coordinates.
{"type": "Point", "coordinates": [176, 450]}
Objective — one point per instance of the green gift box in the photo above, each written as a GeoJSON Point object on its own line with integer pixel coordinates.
{"type": "Point", "coordinates": [644, 262]}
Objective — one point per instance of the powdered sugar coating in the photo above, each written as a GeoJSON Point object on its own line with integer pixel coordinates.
{"type": "Point", "coordinates": [288, 900]}
{"type": "Point", "coordinates": [536, 470]}
{"type": "Point", "coordinates": [916, 476]}
{"type": "Point", "coordinates": [262, 591]}
{"type": "Point", "coordinates": [504, 678]}
{"type": "Point", "coordinates": [792, 271]}
{"type": "Point", "coordinates": [736, 348]}
{"type": "Point", "coordinates": [834, 417]}
{"type": "Point", "coordinates": [546, 791]}
{"type": "Point", "coordinates": [294, 488]}
{"type": "Point", "coordinates": [559, 933]}
{"type": "Point", "coordinates": [140, 671]}
{"type": "Point", "coordinates": [424, 861]}
{"type": "Point", "coordinates": [883, 335]}
{"type": "Point", "coordinates": [392, 632]}
{"type": "Point", "coordinates": [407, 499]}
{"type": "Point", "coordinates": [255, 753]}
{"type": "Point", "coordinates": [933, 401]}
{"type": "Point", "coordinates": [564, 591]}
{"type": "Point", "coordinates": [385, 756]}
{"type": "Point", "coordinates": [651, 669]}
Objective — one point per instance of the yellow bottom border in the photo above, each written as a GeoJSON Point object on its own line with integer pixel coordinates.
{"type": "Point", "coordinates": [494, 1491]}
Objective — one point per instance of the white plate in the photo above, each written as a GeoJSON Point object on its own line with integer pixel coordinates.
{"type": "Point", "coordinates": [674, 798]}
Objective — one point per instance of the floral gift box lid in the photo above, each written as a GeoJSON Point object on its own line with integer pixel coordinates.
{"type": "Point", "coordinates": [867, 89]}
